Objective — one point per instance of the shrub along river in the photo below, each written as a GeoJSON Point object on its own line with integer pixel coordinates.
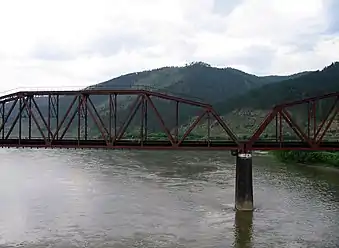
{"type": "Point", "coordinates": [89, 198]}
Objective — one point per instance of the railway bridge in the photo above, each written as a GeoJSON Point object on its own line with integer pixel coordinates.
{"type": "Point", "coordinates": [150, 120]}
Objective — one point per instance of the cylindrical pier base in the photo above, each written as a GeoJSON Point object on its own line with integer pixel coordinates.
{"type": "Point", "coordinates": [244, 182]}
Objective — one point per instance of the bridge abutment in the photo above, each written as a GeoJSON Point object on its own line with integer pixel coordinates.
{"type": "Point", "coordinates": [244, 182]}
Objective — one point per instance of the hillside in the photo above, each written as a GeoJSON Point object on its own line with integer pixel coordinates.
{"type": "Point", "coordinates": [196, 80]}
{"type": "Point", "coordinates": [266, 96]}
{"type": "Point", "coordinates": [245, 112]}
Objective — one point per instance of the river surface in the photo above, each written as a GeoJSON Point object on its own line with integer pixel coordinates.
{"type": "Point", "coordinates": [87, 198]}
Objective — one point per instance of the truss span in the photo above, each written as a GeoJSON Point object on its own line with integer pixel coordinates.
{"type": "Point", "coordinates": [141, 119]}
{"type": "Point", "coordinates": [107, 119]}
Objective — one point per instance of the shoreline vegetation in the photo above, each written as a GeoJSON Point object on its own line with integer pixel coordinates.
{"type": "Point", "coordinates": [330, 159]}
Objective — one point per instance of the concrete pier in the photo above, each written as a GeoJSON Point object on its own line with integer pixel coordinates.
{"type": "Point", "coordinates": [244, 182]}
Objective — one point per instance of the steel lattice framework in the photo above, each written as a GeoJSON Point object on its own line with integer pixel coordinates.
{"type": "Point", "coordinates": [68, 119]}
{"type": "Point", "coordinates": [309, 136]}
{"type": "Point", "coordinates": [82, 110]}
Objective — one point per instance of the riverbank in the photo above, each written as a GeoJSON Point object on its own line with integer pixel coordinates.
{"type": "Point", "coordinates": [330, 159]}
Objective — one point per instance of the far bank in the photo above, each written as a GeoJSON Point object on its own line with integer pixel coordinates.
{"type": "Point", "coordinates": [322, 158]}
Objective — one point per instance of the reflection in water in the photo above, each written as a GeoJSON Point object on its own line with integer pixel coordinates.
{"type": "Point", "coordinates": [52, 198]}
{"type": "Point", "coordinates": [243, 229]}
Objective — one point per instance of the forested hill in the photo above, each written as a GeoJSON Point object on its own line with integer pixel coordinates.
{"type": "Point", "coordinates": [265, 97]}
{"type": "Point", "coordinates": [197, 80]}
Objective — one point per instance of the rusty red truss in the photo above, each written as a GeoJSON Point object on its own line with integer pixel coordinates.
{"type": "Point", "coordinates": [139, 119]}
{"type": "Point", "coordinates": [111, 119]}
{"type": "Point", "coordinates": [312, 124]}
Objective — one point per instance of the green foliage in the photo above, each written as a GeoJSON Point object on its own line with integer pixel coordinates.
{"type": "Point", "coordinates": [197, 80]}
{"type": "Point", "coordinates": [295, 88]}
{"type": "Point", "coordinates": [308, 157]}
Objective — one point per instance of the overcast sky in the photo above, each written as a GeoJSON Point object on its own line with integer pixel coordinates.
{"type": "Point", "coordinates": [47, 43]}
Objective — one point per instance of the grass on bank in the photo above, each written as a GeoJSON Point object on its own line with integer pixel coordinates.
{"type": "Point", "coordinates": [308, 157]}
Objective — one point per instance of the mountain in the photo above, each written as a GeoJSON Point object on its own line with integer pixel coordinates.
{"type": "Point", "coordinates": [196, 80]}
{"type": "Point", "coordinates": [306, 85]}
{"type": "Point", "coordinates": [246, 111]}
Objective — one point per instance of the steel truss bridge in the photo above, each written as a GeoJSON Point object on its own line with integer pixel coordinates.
{"type": "Point", "coordinates": [141, 119]}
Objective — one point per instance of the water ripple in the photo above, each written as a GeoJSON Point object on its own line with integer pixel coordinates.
{"type": "Point", "coordinates": [65, 198]}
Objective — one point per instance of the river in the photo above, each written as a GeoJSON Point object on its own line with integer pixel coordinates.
{"type": "Point", "coordinates": [90, 198]}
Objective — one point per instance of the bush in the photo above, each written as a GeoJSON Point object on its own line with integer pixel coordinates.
{"type": "Point", "coordinates": [308, 157]}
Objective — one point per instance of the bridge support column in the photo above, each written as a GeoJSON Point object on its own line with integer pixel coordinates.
{"type": "Point", "coordinates": [244, 182]}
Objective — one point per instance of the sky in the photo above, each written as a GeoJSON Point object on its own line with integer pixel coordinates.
{"type": "Point", "coordinates": [65, 44]}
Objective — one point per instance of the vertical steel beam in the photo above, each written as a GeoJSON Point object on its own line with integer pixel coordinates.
{"type": "Point", "coordinates": [309, 119]}
{"type": "Point", "coordinates": [86, 115]}
{"type": "Point", "coordinates": [276, 129]}
{"type": "Point", "coordinates": [57, 116]}
{"type": "Point", "coordinates": [208, 128]}
{"type": "Point", "coordinates": [142, 120]}
{"type": "Point", "coordinates": [110, 103]}
{"type": "Point", "coordinates": [177, 122]}
{"type": "Point", "coordinates": [29, 117]}
{"type": "Point", "coordinates": [3, 120]}
{"type": "Point", "coordinates": [79, 118]}
{"type": "Point", "coordinates": [49, 117]}
{"type": "Point", "coordinates": [146, 119]}
{"type": "Point", "coordinates": [20, 120]}
{"type": "Point", "coordinates": [314, 120]}
{"type": "Point", "coordinates": [281, 135]}
{"type": "Point", "coordinates": [115, 114]}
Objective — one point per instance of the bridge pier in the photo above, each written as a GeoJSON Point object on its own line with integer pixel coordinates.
{"type": "Point", "coordinates": [244, 182]}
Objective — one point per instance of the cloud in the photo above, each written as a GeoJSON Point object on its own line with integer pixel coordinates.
{"type": "Point", "coordinates": [47, 50]}
{"type": "Point", "coordinates": [225, 7]}
{"type": "Point", "coordinates": [333, 17]}
{"type": "Point", "coordinates": [78, 43]}
{"type": "Point", "coordinates": [110, 44]}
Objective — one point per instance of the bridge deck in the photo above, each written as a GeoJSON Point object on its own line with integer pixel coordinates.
{"type": "Point", "coordinates": [162, 144]}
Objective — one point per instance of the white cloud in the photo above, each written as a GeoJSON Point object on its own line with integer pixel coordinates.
{"type": "Point", "coordinates": [78, 43]}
